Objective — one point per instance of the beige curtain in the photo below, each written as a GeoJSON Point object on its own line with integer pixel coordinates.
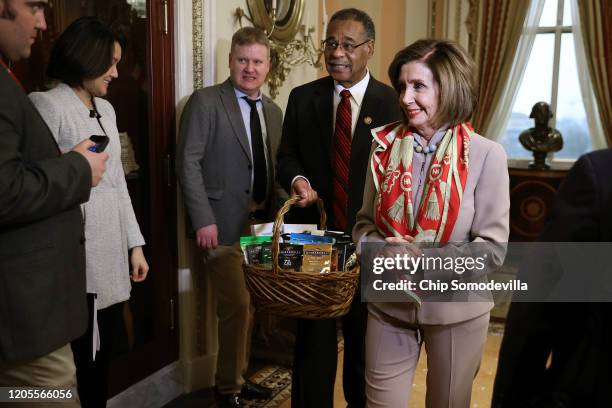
{"type": "Point", "coordinates": [497, 34]}
{"type": "Point", "coordinates": [596, 20]}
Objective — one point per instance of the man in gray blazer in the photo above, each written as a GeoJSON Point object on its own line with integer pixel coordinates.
{"type": "Point", "coordinates": [42, 260]}
{"type": "Point", "coordinates": [229, 135]}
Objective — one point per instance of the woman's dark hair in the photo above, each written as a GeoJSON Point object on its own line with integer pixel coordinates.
{"type": "Point", "coordinates": [83, 51]}
{"type": "Point", "coordinates": [453, 70]}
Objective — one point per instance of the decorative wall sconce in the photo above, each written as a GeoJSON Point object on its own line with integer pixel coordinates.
{"type": "Point", "coordinates": [282, 25]}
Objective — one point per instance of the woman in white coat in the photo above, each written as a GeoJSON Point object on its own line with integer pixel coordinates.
{"type": "Point", "coordinates": [84, 58]}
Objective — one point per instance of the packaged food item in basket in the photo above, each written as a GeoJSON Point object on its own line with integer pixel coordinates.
{"type": "Point", "coordinates": [338, 236]}
{"type": "Point", "coordinates": [350, 262]}
{"type": "Point", "coordinates": [306, 238]}
{"type": "Point", "coordinates": [290, 257]}
{"type": "Point", "coordinates": [246, 241]}
{"type": "Point", "coordinates": [262, 229]}
{"type": "Point", "coordinates": [268, 228]}
{"type": "Point", "coordinates": [317, 258]}
{"type": "Point", "coordinates": [334, 259]}
{"type": "Point", "coordinates": [265, 255]}
{"type": "Point", "coordinates": [343, 247]}
{"type": "Point", "coordinates": [253, 252]}
{"type": "Point", "coordinates": [288, 228]}
{"type": "Point", "coordinates": [345, 250]}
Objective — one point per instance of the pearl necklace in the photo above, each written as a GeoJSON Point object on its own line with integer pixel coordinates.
{"type": "Point", "coordinates": [426, 150]}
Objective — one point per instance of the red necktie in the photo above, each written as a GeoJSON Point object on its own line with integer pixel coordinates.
{"type": "Point", "coordinates": [342, 158]}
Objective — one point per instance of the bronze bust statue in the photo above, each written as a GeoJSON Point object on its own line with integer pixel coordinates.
{"type": "Point", "coordinates": [541, 139]}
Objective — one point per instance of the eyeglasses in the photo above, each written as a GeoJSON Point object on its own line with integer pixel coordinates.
{"type": "Point", "coordinates": [332, 45]}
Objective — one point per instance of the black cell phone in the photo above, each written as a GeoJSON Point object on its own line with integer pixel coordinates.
{"type": "Point", "coordinates": [101, 141]}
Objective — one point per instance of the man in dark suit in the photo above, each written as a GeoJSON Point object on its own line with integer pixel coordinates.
{"type": "Point", "coordinates": [324, 152]}
{"type": "Point", "coordinates": [575, 336]}
{"type": "Point", "coordinates": [42, 260]}
{"type": "Point", "coordinates": [229, 136]}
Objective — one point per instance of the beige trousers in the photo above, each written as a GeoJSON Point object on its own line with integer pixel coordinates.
{"type": "Point", "coordinates": [224, 268]}
{"type": "Point", "coordinates": [56, 369]}
{"type": "Point", "coordinates": [453, 358]}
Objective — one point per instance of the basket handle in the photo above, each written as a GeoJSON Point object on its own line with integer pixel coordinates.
{"type": "Point", "coordinates": [278, 225]}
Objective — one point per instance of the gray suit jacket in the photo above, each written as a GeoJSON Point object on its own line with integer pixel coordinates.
{"type": "Point", "coordinates": [214, 161]}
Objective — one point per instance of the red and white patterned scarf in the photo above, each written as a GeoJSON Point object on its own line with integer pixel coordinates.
{"type": "Point", "coordinates": [444, 185]}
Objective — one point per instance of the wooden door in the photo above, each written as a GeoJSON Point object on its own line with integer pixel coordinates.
{"type": "Point", "coordinates": [143, 98]}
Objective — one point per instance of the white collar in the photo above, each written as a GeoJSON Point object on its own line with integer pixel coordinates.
{"type": "Point", "coordinates": [357, 91]}
{"type": "Point", "coordinates": [240, 94]}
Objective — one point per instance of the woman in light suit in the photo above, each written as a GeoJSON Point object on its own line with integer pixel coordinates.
{"type": "Point", "coordinates": [431, 179]}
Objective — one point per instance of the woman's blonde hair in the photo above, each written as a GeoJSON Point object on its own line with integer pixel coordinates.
{"type": "Point", "coordinates": [454, 72]}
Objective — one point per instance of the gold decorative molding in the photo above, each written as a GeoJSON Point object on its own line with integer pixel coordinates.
{"type": "Point", "coordinates": [281, 20]}
{"type": "Point", "coordinates": [198, 45]}
{"type": "Point", "coordinates": [198, 83]}
{"type": "Point", "coordinates": [291, 41]}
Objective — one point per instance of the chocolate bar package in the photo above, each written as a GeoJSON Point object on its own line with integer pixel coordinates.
{"type": "Point", "coordinates": [306, 238]}
{"type": "Point", "coordinates": [253, 252]}
{"type": "Point", "coordinates": [317, 258]}
{"type": "Point", "coordinates": [345, 250]}
{"type": "Point", "coordinates": [265, 255]}
{"type": "Point", "coordinates": [247, 240]}
{"type": "Point", "coordinates": [290, 257]}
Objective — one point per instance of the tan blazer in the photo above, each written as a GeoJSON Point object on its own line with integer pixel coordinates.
{"type": "Point", "coordinates": [483, 217]}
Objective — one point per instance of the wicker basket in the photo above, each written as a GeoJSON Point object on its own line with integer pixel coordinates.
{"type": "Point", "coordinates": [300, 294]}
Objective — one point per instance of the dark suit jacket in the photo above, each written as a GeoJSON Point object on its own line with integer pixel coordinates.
{"type": "Point", "coordinates": [578, 336]}
{"type": "Point", "coordinates": [306, 147]}
{"type": "Point", "coordinates": [214, 161]}
{"type": "Point", "coordinates": [42, 259]}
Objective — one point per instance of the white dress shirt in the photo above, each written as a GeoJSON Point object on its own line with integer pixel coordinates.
{"type": "Point", "coordinates": [357, 94]}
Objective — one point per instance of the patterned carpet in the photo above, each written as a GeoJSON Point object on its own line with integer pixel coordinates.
{"type": "Point", "coordinates": [277, 378]}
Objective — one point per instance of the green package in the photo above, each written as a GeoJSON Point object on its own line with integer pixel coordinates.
{"type": "Point", "coordinates": [249, 240]}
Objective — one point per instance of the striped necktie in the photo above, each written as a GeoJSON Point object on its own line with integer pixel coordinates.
{"type": "Point", "coordinates": [342, 158]}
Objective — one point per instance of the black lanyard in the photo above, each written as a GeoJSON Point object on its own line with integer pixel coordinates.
{"type": "Point", "coordinates": [94, 114]}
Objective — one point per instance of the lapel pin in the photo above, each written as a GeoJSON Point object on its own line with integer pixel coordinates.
{"type": "Point", "coordinates": [367, 120]}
